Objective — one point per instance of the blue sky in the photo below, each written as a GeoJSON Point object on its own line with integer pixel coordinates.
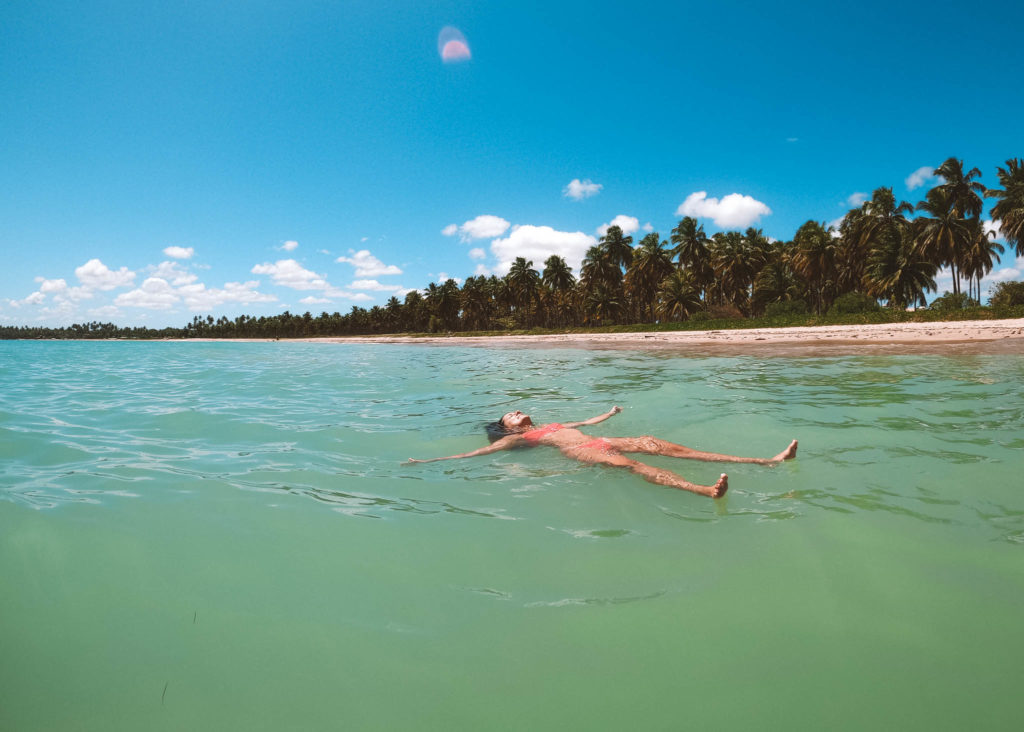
{"type": "Point", "coordinates": [165, 160]}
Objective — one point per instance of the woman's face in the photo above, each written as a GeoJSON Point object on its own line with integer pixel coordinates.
{"type": "Point", "coordinates": [516, 420]}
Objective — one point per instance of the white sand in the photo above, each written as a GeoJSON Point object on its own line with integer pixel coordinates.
{"type": "Point", "coordinates": [981, 335]}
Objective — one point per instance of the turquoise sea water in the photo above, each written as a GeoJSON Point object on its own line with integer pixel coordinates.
{"type": "Point", "coordinates": [224, 536]}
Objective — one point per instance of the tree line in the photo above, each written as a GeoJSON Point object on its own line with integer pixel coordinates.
{"type": "Point", "coordinates": [881, 253]}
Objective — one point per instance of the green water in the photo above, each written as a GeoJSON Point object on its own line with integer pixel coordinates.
{"type": "Point", "coordinates": [223, 536]}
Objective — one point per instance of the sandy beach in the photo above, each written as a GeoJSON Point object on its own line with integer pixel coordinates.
{"type": "Point", "coordinates": [976, 336]}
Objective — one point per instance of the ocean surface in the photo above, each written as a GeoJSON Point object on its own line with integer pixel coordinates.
{"type": "Point", "coordinates": [226, 536]}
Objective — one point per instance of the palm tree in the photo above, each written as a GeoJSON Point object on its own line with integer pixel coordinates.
{"type": "Point", "coordinates": [618, 246]}
{"type": "Point", "coordinates": [815, 261]}
{"type": "Point", "coordinates": [524, 282]}
{"type": "Point", "coordinates": [599, 269]}
{"type": "Point", "coordinates": [678, 296]}
{"type": "Point", "coordinates": [690, 243]}
{"type": "Point", "coordinates": [652, 263]}
{"type": "Point", "coordinates": [604, 302]}
{"type": "Point", "coordinates": [476, 303]}
{"type": "Point", "coordinates": [1009, 210]}
{"type": "Point", "coordinates": [942, 235]}
{"type": "Point", "coordinates": [899, 273]}
{"type": "Point", "coordinates": [965, 192]}
{"type": "Point", "coordinates": [735, 264]}
{"type": "Point", "coordinates": [979, 254]}
{"type": "Point", "coordinates": [777, 281]}
{"type": "Point", "coordinates": [559, 281]}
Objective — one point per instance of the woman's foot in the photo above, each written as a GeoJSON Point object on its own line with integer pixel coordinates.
{"type": "Point", "coordinates": [718, 489]}
{"type": "Point", "coordinates": [788, 454]}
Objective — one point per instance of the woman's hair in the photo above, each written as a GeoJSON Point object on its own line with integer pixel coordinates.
{"type": "Point", "coordinates": [497, 430]}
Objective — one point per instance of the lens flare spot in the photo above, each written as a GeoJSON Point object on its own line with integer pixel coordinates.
{"type": "Point", "coordinates": [452, 45]}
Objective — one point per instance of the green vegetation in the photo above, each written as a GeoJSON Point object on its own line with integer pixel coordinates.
{"type": "Point", "coordinates": [879, 254]}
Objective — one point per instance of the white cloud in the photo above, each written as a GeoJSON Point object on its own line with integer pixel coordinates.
{"type": "Point", "coordinates": [289, 273]}
{"type": "Point", "coordinates": [733, 211]}
{"type": "Point", "coordinates": [647, 227]}
{"type": "Point", "coordinates": [359, 297]}
{"type": "Point", "coordinates": [154, 294]}
{"type": "Point", "coordinates": [97, 276]}
{"type": "Point", "coordinates": [580, 189]}
{"type": "Point", "coordinates": [537, 243]}
{"type": "Point", "coordinates": [289, 246]}
{"type": "Point", "coordinates": [924, 175]}
{"type": "Point", "coordinates": [47, 286]}
{"type": "Point", "coordinates": [482, 270]}
{"type": "Point", "coordinates": [173, 273]}
{"type": "Point", "coordinates": [443, 277]}
{"type": "Point", "coordinates": [36, 298]}
{"type": "Point", "coordinates": [792, 139]}
{"type": "Point", "coordinates": [368, 265]}
{"type": "Point", "coordinates": [477, 253]}
{"type": "Point", "coordinates": [375, 286]}
{"type": "Point", "coordinates": [179, 252]}
{"type": "Point", "coordinates": [856, 199]}
{"type": "Point", "coordinates": [484, 226]}
{"type": "Point", "coordinates": [199, 297]}
{"type": "Point", "coordinates": [314, 300]}
{"type": "Point", "coordinates": [987, 225]}
{"type": "Point", "coordinates": [628, 224]}
{"type": "Point", "coordinates": [104, 311]}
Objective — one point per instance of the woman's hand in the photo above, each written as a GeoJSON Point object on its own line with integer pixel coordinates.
{"type": "Point", "coordinates": [615, 410]}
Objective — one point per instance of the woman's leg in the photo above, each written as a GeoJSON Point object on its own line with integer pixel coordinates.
{"type": "Point", "coordinates": [651, 474]}
{"type": "Point", "coordinates": [654, 446]}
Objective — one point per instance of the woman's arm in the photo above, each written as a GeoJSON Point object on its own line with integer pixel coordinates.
{"type": "Point", "coordinates": [594, 420]}
{"type": "Point", "coordinates": [503, 444]}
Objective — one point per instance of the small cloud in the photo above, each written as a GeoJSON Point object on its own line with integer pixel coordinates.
{"type": "Point", "coordinates": [477, 253]}
{"type": "Point", "coordinates": [482, 270]}
{"type": "Point", "coordinates": [289, 246]}
{"type": "Point", "coordinates": [452, 45]}
{"type": "Point", "coordinates": [49, 286]}
{"type": "Point", "coordinates": [924, 175]}
{"type": "Point", "coordinates": [314, 300]}
{"type": "Point", "coordinates": [988, 226]}
{"type": "Point", "coordinates": [580, 189]}
{"type": "Point", "coordinates": [198, 297]}
{"type": "Point", "coordinates": [856, 199]}
{"type": "Point", "coordinates": [628, 224]}
{"type": "Point", "coordinates": [368, 265]}
{"type": "Point", "coordinates": [374, 286]}
{"type": "Point", "coordinates": [485, 226]}
{"type": "Point", "coordinates": [537, 243]}
{"type": "Point", "coordinates": [792, 139]}
{"type": "Point", "coordinates": [97, 276]}
{"type": "Point", "coordinates": [363, 239]}
{"type": "Point", "coordinates": [179, 252]}
{"type": "Point", "coordinates": [733, 211]}
{"type": "Point", "coordinates": [173, 273]}
{"type": "Point", "coordinates": [647, 227]}
{"type": "Point", "coordinates": [289, 273]}
{"type": "Point", "coordinates": [154, 294]}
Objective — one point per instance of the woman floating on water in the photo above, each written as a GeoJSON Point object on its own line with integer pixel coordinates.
{"type": "Point", "coordinates": [516, 429]}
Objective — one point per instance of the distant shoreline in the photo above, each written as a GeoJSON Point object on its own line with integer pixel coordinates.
{"type": "Point", "coordinates": [973, 336]}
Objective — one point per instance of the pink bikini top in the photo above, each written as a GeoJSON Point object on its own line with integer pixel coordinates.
{"type": "Point", "coordinates": [535, 435]}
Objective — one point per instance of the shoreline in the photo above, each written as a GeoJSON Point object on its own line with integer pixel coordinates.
{"type": "Point", "coordinates": [968, 337]}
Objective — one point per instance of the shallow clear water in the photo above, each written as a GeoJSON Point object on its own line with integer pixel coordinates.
{"type": "Point", "coordinates": [204, 536]}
